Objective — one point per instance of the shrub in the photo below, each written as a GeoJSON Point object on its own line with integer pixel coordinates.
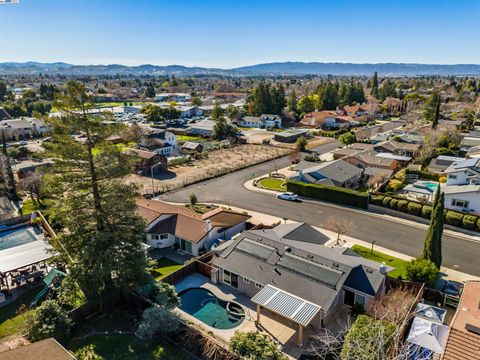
{"type": "Point", "coordinates": [400, 175]}
{"type": "Point", "coordinates": [157, 320]}
{"type": "Point", "coordinates": [469, 221]}
{"type": "Point", "coordinates": [87, 353]}
{"type": "Point", "coordinates": [453, 218]}
{"type": "Point", "coordinates": [427, 211]}
{"type": "Point", "coordinates": [329, 193]}
{"type": "Point", "coordinates": [386, 201]}
{"type": "Point", "coordinates": [368, 339]}
{"type": "Point", "coordinates": [402, 205]}
{"type": "Point", "coordinates": [478, 224]}
{"type": "Point", "coordinates": [49, 320]}
{"type": "Point", "coordinates": [254, 346]}
{"type": "Point", "coordinates": [424, 174]}
{"type": "Point", "coordinates": [414, 208]}
{"type": "Point", "coordinates": [442, 179]}
{"type": "Point", "coordinates": [377, 199]}
{"type": "Point", "coordinates": [393, 204]}
{"type": "Point", "coordinates": [422, 270]}
{"type": "Point", "coordinates": [394, 185]}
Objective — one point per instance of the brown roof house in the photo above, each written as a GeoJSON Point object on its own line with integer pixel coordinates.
{"type": "Point", "coordinates": [178, 227]}
{"type": "Point", "coordinates": [398, 148]}
{"type": "Point", "coordinates": [328, 119]}
{"type": "Point", "coordinates": [464, 338]}
{"type": "Point", "coordinates": [48, 349]}
{"type": "Point", "coordinates": [148, 161]}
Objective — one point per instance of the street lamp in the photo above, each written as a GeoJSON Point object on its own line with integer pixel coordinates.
{"type": "Point", "coordinates": [151, 174]}
{"type": "Point", "coordinates": [373, 243]}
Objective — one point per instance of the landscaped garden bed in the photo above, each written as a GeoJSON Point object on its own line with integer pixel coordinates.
{"type": "Point", "coordinates": [272, 184]}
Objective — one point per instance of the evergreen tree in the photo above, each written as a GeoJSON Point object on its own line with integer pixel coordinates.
{"type": "Point", "coordinates": [103, 234]}
{"type": "Point", "coordinates": [8, 176]}
{"type": "Point", "coordinates": [3, 90]}
{"type": "Point", "coordinates": [150, 91]}
{"type": "Point", "coordinates": [436, 116]}
{"type": "Point", "coordinates": [292, 102]}
{"type": "Point", "coordinates": [431, 106]}
{"type": "Point", "coordinates": [432, 249]}
{"type": "Point", "coordinates": [374, 84]}
{"type": "Point", "coordinates": [217, 112]}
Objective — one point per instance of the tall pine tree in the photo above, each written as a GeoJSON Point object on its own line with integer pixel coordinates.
{"type": "Point", "coordinates": [436, 115]}
{"type": "Point", "coordinates": [8, 172]}
{"type": "Point", "coordinates": [374, 83]}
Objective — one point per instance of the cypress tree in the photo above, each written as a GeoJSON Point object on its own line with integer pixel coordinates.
{"type": "Point", "coordinates": [375, 85]}
{"type": "Point", "coordinates": [432, 249]}
{"type": "Point", "coordinates": [8, 172]}
{"type": "Point", "coordinates": [436, 116]}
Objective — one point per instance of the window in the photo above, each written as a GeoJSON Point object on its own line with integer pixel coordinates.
{"type": "Point", "coordinates": [460, 203]}
{"type": "Point", "coordinates": [230, 278]}
{"type": "Point", "coordinates": [360, 299]}
{"type": "Point", "coordinates": [258, 285]}
{"type": "Point", "coordinates": [159, 237]}
{"type": "Point", "coordinates": [246, 280]}
{"type": "Point", "coordinates": [453, 177]}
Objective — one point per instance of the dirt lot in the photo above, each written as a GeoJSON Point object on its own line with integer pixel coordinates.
{"type": "Point", "coordinates": [218, 162]}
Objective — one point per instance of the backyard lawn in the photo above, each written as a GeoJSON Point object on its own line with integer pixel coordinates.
{"type": "Point", "coordinates": [123, 347]}
{"type": "Point", "coordinates": [379, 257]}
{"type": "Point", "coordinates": [273, 184]}
{"type": "Point", "coordinates": [10, 321]}
{"type": "Point", "coordinates": [165, 267]}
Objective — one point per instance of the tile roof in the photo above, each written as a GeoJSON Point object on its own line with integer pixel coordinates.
{"type": "Point", "coordinates": [225, 218]}
{"type": "Point", "coordinates": [462, 346]}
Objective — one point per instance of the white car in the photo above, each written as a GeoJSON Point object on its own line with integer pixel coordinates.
{"type": "Point", "coordinates": [288, 196]}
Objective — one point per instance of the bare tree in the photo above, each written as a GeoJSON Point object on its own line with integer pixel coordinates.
{"type": "Point", "coordinates": [339, 225]}
{"type": "Point", "coordinates": [32, 185]}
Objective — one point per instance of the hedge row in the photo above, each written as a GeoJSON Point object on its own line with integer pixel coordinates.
{"type": "Point", "coordinates": [329, 193]}
{"type": "Point", "coordinates": [427, 175]}
{"type": "Point", "coordinates": [455, 218]}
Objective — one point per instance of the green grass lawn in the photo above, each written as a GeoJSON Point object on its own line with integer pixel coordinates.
{"type": "Point", "coordinates": [273, 184]}
{"type": "Point", "coordinates": [379, 257]}
{"type": "Point", "coordinates": [123, 347]}
{"type": "Point", "coordinates": [10, 321]}
{"type": "Point", "coordinates": [186, 138]}
{"type": "Point", "coordinates": [165, 267]}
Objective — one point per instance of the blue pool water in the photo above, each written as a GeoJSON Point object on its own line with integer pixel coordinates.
{"type": "Point", "coordinates": [205, 306]}
{"type": "Point", "coordinates": [431, 185]}
{"type": "Point", "coordinates": [17, 236]}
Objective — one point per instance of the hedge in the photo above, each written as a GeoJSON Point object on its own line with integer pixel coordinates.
{"type": "Point", "coordinates": [414, 208]}
{"type": "Point", "coordinates": [455, 218]}
{"type": "Point", "coordinates": [468, 221]}
{"type": "Point", "coordinates": [329, 193]}
{"type": "Point", "coordinates": [427, 211]}
{"type": "Point", "coordinates": [427, 175]}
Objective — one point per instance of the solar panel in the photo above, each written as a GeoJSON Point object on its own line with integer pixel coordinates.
{"type": "Point", "coordinates": [255, 248]}
{"type": "Point", "coordinates": [310, 269]}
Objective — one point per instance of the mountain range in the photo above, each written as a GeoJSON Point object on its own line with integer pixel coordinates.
{"type": "Point", "coordinates": [274, 68]}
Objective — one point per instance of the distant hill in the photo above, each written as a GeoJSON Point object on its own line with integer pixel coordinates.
{"type": "Point", "coordinates": [277, 68]}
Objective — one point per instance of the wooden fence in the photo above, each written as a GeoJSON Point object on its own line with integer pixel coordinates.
{"type": "Point", "coordinates": [199, 265]}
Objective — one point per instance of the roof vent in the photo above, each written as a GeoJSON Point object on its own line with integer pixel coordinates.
{"type": "Point", "coordinates": [287, 249]}
{"type": "Point", "coordinates": [428, 314]}
{"type": "Point", "coordinates": [335, 265]}
{"type": "Point", "coordinates": [472, 328]}
{"type": "Point", "coordinates": [383, 269]}
{"type": "Point", "coordinates": [310, 256]}
{"type": "Point", "coordinates": [368, 270]}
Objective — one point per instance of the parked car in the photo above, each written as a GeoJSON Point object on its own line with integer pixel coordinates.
{"type": "Point", "coordinates": [453, 288]}
{"type": "Point", "coordinates": [288, 196]}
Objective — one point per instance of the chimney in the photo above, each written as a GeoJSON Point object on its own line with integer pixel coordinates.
{"type": "Point", "coordinates": [383, 269]}
{"type": "Point", "coordinates": [208, 225]}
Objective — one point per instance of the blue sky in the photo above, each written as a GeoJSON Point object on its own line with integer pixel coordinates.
{"type": "Point", "coordinates": [224, 33]}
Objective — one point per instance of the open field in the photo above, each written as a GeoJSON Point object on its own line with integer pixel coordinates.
{"type": "Point", "coordinates": [219, 162]}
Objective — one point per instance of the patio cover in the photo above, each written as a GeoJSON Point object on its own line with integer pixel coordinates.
{"type": "Point", "coordinates": [428, 335]}
{"type": "Point", "coordinates": [24, 255]}
{"type": "Point", "coordinates": [287, 305]}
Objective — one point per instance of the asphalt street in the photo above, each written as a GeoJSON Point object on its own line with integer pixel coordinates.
{"type": "Point", "coordinates": [459, 253]}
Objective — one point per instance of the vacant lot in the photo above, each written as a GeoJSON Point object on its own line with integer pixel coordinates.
{"type": "Point", "coordinates": [218, 162]}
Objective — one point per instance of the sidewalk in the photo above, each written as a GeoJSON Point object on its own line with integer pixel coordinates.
{"type": "Point", "coordinates": [260, 218]}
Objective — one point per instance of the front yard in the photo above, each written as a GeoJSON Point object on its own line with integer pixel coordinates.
{"type": "Point", "coordinates": [379, 257]}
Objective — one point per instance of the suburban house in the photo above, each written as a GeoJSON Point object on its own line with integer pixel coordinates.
{"type": "Point", "coordinates": [328, 119]}
{"type": "Point", "coordinates": [160, 141]}
{"type": "Point", "coordinates": [441, 163]}
{"type": "Point", "coordinates": [290, 135]}
{"type": "Point", "coordinates": [398, 148]}
{"type": "Point", "coordinates": [287, 270]}
{"type": "Point", "coordinates": [23, 128]}
{"type": "Point", "coordinates": [47, 349]}
{"type": "Point", "coordinates": [204, 128]}
{"type": "Point", "coordinates": [172, 226]}
{"type": "Point", "coordinates": [148, 161]}
{"type": "Point", "coordinates": [367, 159]}
{"type": "Point", "coordinates": [189, 111]}
{"type": "Point", "coordinates": [463, 340]}
{"type": "Point", "coordinates": [262, 121]}
{"type": "Point", "coordinates": [473, 152]}
{"type": "Point", "coordinates": [176, 97]}
{"type": "Point", "coordinates": [333, 173]}
{"type": "Point", "coordinates": [462, 188]}
{"type": "Point", "coordinates": [357, 110]}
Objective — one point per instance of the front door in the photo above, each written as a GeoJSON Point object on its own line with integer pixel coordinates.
{"type": "Point", "coordinates": [349, 298]}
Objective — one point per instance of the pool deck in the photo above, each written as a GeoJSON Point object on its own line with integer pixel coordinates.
{"type": "Point", "coordinates": [280, 329]}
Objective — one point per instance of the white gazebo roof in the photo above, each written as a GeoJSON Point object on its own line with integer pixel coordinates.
{"type": "Point", "coordinates": [428, 335]}
{"type": "Point", "coordinates": [287, 305]}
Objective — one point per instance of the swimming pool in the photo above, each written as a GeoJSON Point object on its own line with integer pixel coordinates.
{"type": "Point", "coordinates": [17, 236]}
{"type": "Point", "coordinates": [431, 185]}
{"type": "Point", "coordinates": [205, 306]}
